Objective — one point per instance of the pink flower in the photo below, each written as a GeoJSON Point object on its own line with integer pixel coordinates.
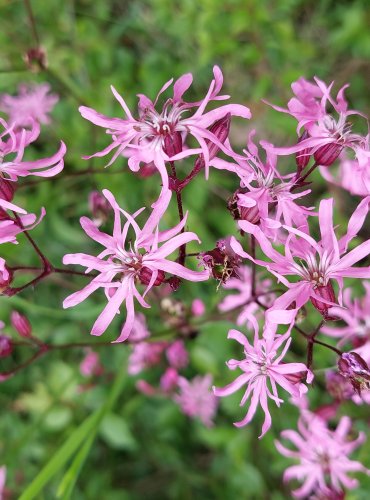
{"type": "Point", "coordinates": [243, 299]}
{"type": "Point", "coordinates": [140, 329]}
{"type": "Point", "coordinates": [262, 365]}
{"type": "Point", "coordinates": [177, 355]}
{"type": "Point", "coordinates": [169, 380]}
{"type": "Point", "coordinates": [158, 136]}
{"type": "Point", "coordinates": [197, 307]}
{"type": "Point", "coordinates": [91, 365]}
{"type": "Point", "coordinates": [265, 196]}
{"type": "Point", "coordinates": [122, 264]}
{"type": "Point", "coordinates": [327, 135]}
{"type": "Point", "coordinates": [323, 455]}
{"type": "Point", "coordinates": [351, 176]}
{"type": "Point", "coordinates": [14, 143]}
{"type": "Point", "coordinates": [144, 355]}
{"type": "Point", "coordinates": [196, 399]}
{"type": "Point", "coordinates": [33, 103]}
{"type": "Point", "coordinates": [315, 263]}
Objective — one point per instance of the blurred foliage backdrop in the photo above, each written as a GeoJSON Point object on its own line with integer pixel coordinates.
{"type": "Point", "coordinates": [145, 448]}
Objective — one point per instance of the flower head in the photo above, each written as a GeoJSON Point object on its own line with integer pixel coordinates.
{"type": "Point", "coordinates": [196, 398]}
{"type": "Point", "coordinates": [263, 370]}
{"type": "Point", "coordinates": [123, 264]}
{"type": "Point", "coordinates": [323, 455]}
{"type": "Point", "coordinates": [158, 136]}
{"type": "Point", "coordinates": [33, 103]}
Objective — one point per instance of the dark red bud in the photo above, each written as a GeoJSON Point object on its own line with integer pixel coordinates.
{"type": "Point", "coordinates": [326, 155]}
{"type": "Point", "coordinates": [327, 293]}
{"type": "Point", "coordinates": [21, 324]}
{"type": "Point", "coordinates": [220, 129]}
{"type": "Point", "coordinates": [174, 283]}
{"type": "Point", "coordinates": [36, 59]}
{"type": "Point", "coordinates": [147, 170]}
{"type": "Point", "coordinates": [303, 157]}
{"type": "Point", "coordinates": [99, 206]}
{"type": "Point", "coordinates": [6, 346]}
{"type": "Point", "coordinates": [145, 276]}
{"type": "Point", "coordinates": [172, 144]}
{"type": "Point", "coordinates": [7, 189]}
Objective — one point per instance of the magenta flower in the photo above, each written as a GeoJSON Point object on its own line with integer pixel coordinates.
{"type": "Point", "coordinates": [123, 264]}
{"type": "Point", "coordinates": [177, 355]}
{"type": "Point", "coordinates": [351, 175]}
{"type": "Point", "coordinates": [265, 196]}
{"type": "Point", "coordinates": [323, 455]}
{"type": "Point", "coordinates": [144, 355]}
{"type": "Point", "coordinates": [263, 370]}
{"type": "Point", "coordinates": [33, 103]}
{"type": "Point", "coordinates": [159, 136]}
{"type": "Point", "coordinates": [14, 143]}
{"type": "Point", "coordinates": [314, 263]}
{"type": "Point", "coordinates": [91, 365]}
{"type": "Point", "coordinates": [196, 398]}
{"type": "Point", "coordinates": [327, 134]}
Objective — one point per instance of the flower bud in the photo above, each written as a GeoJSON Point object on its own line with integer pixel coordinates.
{"type": "Point", "coordinates": [356, 370]}
{"type": "Point", "coordinates": [99, 207]}
{"type": "Point", "coordinates": [6, 346]}
{"type": "Point", "coordinates": [169, 380]}
{"type": "Point", "coordinates": [147, 170]}
{"type": "Point", "coordinates": [7, 189]}
{"type": "Point", "coordinates": [145, 276]}
{"type": "Point", "coordinates": [172, 144]}
{"type": "Point", "coordinates": [240, 212]}
{"type": "Point", "coordinates": [6, 276]}
{"type": "Point", "coordinates": [21, 324]}
{"type": "Point", "coordinates": [197, 307]}
{"type": "Point", "coordinates": [36, 59]}
{"type": "Point", "coordinates": [220, 129]}
{"type": "Point", "coordinates": [327, 293]}
{"type": "Point", "coordinates": [302, 158]}
{"type": "Point", "coordinates": [327, 154]}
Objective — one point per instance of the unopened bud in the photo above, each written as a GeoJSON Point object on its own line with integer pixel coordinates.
{"type": "Point", "coordinates": [6, 346]}
{"type": "Point", "coordinates": [7, 189]}
{"type": "Point", "coordinates": [220, 129]}
{"type": "Point", "coordinates": [99, 207]}
{"type": "Point", "coordinates": [240, 212]}
{"type": "Point", "coordinates": [327, 293]}
{"type": "Point", "coordinates": [356, 370]}
{"type": "Point", "coordinates": [169, 380]}
{"type": "Point", "coordinates": [303, 157]}
{"type": "Point", "coordinates": [327, 154]}
{"type": "Point", "coordinates": [145, 276]}
{"type": "Point", "coordinates": [6, 276]}
{"type": "Point", "coordinates": [172, 144]}
{"type": "Point", "coordinates": [36, 59]}
{"type": "Point", "coordinates": [147, 170]}
{"type": "Point", "coordinates": [21, 324]}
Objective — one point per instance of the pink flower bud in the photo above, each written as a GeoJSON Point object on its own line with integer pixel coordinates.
{"type": "Point", "coordinates": [6, 276]}
{"type": "Point", "coordinates": [99, 207]}
{"type": "Point", "coordinates": [145, 276]}
{"type": "Point", "coordinates": [21, 324]}
{"type": "Point", "coordinates": [355, 368]}
{"type": "Point", "coordinates": [197, 307]}
{"type": "Point", "coordinates": [327, 293]}
{"type": "Point", "coordinates": [220, 129]}
{"type": "Point", "coordinates": [7, 189]}
{"type": "Point", "coordinates": [239, 212]}
{"type": "Point", "coordinates": [327, 154]}
{"type": "Point", "coordinates": [169, 380]}
{"type": "Point", "coordinates": [172, 143]}
{"type": "Point", "coordinates": [6, 346]}
{"type": "Point", "coordinates": [303, 157]}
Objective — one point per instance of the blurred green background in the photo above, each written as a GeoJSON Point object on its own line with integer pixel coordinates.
{"type": "Point", "coordinates": [144, 447]}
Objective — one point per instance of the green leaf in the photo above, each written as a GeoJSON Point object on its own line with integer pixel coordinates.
{"type": "Point", "coordinates": [116, 433]}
